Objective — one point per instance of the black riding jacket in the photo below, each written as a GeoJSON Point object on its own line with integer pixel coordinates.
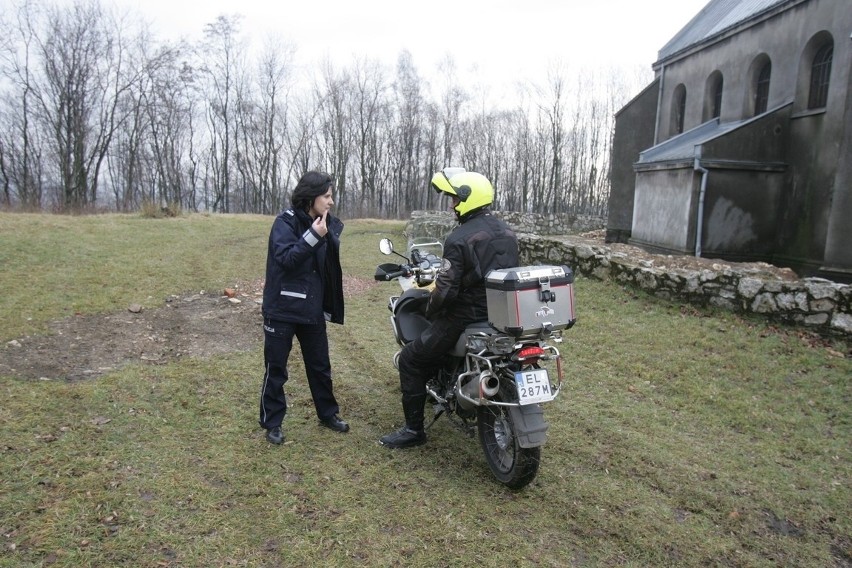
{"type": "Point", "coordinates": [304, 281]}
{"type": "Point", "coordinates": [481, 243]}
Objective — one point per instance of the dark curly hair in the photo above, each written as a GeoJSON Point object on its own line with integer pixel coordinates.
{"type": "Point", "coordinates": [310, 186]}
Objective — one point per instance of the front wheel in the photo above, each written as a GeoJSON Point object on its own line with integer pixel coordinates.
{"type": "Point", "coordinates": [513, 466]}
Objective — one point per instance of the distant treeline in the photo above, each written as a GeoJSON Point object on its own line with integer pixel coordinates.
{"type": "Point", "coordinates": [97, 114]}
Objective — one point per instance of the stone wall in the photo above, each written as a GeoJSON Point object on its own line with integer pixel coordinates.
{"type": "Point", "coordinates": [813, 303]}
{"type": "Point", "coordinates": [440, 223]}
{"type": "Point", "coordinates": [551, 224]}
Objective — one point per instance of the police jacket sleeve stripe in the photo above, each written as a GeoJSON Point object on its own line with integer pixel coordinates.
{"type": "Point", "coordinates": [293, 294]}
{"type": "Point", "coordinates": [311, 237]}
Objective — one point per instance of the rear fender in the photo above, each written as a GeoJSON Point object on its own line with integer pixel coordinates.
{"type": "Point", "coordinates": [529, 425]}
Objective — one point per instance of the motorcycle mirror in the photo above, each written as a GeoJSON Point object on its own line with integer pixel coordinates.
{"type": "Point", "coordinates": [386, 246]}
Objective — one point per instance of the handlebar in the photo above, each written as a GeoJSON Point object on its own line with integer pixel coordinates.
{"type": "Point", "coordinates": [423, 267]}
{"type": "Point", "coordinates": [397, 274]}
{"type": "Point", "coordinates": [390, 271]}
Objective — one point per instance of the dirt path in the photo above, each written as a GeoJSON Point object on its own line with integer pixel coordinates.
{"type": "Point", "coordinates": [190, 325]}
{"type": "Point", "coordinates": [194, 325]}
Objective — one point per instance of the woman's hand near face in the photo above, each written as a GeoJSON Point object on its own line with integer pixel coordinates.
{"type": "Point", "coordinates": [319, 210]}
{"type": "Point", "coordinates": [320, 226]}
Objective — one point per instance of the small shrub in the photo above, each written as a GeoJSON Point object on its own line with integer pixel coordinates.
{"type": "Point", "coordinates": [153, 210]}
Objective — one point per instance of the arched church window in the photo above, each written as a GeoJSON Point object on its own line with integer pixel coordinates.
{"type": "Point", "coordinates": [761, 90]}
{"type": "Point", "coordinates": [678, 109]}
{"type": "Point", "coordinates": [820, 76]}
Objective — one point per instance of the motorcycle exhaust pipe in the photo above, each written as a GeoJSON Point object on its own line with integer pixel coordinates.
{"type": "Point", "coordinates": [489, 384]}
{"type": "Point", "coordinates": [485, 385]}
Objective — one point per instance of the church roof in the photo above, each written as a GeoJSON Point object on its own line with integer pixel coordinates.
{"type": "Point", "coordinates": [686, 146]}
{"type": "Point", "coordinates": [716, 18]}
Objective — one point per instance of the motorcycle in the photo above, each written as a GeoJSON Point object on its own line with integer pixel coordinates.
{"type": "Point", "coordinates": [494, 381]}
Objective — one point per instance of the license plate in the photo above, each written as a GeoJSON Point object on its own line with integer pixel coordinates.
{"type": "Point", "coordinates": [533, 386]}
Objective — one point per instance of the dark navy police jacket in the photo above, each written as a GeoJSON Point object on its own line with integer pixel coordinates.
{"type": "Point", "coordinates": [304, 281]}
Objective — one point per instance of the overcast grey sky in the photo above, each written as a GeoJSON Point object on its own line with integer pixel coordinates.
{"type": "Point", "coordinates": [496, 42]}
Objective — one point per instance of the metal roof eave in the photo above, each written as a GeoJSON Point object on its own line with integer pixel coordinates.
{"type": "Point", "coordinates": [676, 164]}
{"type": "Point", "coordinates": [732, 30]}
{"type": "Point", "coordinates": [685, 164]}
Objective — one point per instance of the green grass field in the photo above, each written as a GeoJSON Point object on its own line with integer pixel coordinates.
{"type": "Point", "coordinates": [684, 437]}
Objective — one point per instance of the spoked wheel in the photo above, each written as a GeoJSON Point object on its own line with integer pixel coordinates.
{"type": "Point", "coordinates": [513, 466]}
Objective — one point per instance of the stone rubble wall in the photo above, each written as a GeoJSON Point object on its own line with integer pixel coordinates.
{"type": "Point", "coordinates": [813, 303]}
{"type": "Point", "coordinates": [551, 224]}
{"type": "Point", "coordinates": [442, 222]}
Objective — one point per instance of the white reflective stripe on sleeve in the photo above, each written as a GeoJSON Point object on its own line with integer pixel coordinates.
{"type": "Point", "coordinates": [293, 294]}
{"type": "Point", "coordinates": [311, 238]}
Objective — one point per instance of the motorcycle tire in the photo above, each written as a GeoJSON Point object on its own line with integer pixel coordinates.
{"type": "Point", "coordinates": [513, 466]}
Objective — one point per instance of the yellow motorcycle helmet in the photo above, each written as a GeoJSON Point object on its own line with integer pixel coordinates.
{"type": "Point", "coordinates": [473, 190]}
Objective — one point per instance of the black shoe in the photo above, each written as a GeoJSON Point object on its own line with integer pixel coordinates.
{"type": "Point", "coordinates": [275, 435]}
{"type": "Point", "coordinates": [335, 423]}
{"type": "Point", "coordinates": [405, 437]}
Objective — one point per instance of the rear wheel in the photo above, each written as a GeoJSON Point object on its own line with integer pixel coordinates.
{"type": "Point", "coordinates": [513, 466]}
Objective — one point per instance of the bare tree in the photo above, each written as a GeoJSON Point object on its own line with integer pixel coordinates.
{"type": "Point", "coordinates": [273, 87]}
{"type": "Point", "coordinates": [370, 115]}
{"type": "Point", "coordinates": [335, 122]}
{"type": "Point", "coordinates": [170, 104]}
{"type": "Point", "coordinates": [86, 71]}
{"type": "Point", "coordinates": [301, 143]}
{"type": "Point", "coordinates": [21, 144]}
{"type": "Point", "coordinates": [554, 114]}
{"type": "Point", "coordinates": [517, 183]}
{"type": "Point", "coordinates": [142, 162]}
{"type": "Point", "coordinates": [221, 66]}
{"type": "Point", "coordinates": [406, 135]}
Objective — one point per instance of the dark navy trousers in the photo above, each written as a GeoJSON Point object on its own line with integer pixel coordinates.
{"type": "Point", "coordinates": [278, 342]}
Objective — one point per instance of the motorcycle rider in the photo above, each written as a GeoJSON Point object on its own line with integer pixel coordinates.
{"type": "Point", "coordinates": [480, 243]}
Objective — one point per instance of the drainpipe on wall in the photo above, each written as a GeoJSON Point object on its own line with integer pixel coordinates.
{"type": "Point", "coordinates": [659, 104]}
{"type": "Point", "coordinates": [699, 222]}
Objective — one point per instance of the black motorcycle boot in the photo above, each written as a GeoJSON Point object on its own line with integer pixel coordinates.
{"type": "Point", "coordinates": [413, 433]}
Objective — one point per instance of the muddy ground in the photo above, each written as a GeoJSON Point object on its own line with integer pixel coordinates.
{"type": "Point", "coordinates": [188, 325]}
